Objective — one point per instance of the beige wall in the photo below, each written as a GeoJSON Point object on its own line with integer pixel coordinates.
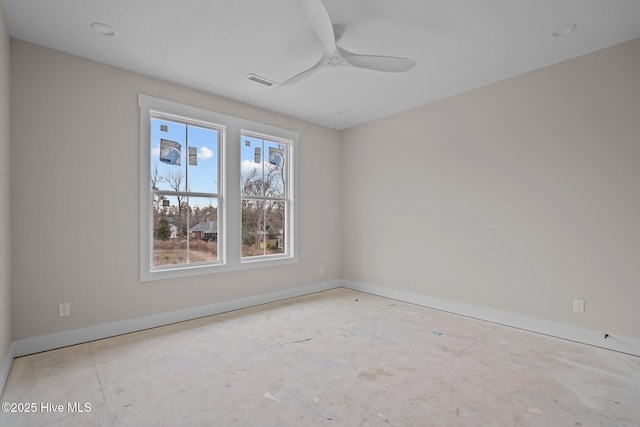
{"type": "Point", "coordinates": [5, 233]}
{"type": "Point", "coordinates": [75, 197]}
{"type": "Point", "coordinates": [519, 196]}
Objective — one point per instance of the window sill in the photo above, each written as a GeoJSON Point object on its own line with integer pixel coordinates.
{"type": "Point", "coordinates": [201, 270]}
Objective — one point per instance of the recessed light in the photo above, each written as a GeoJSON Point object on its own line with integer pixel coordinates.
{"type": "Point", "coordinates": [104, 29]}
{"type": "Point", "coordinates": [565, 30]}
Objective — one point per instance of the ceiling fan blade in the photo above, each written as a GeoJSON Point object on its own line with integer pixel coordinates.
{"type": "Point", "coordinates": [300, 76]}
{"type": "Point", "coordinates": [318, 17]}
{"type": "Point", "coordinates": [390, 64]}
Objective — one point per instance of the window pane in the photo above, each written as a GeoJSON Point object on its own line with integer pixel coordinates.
{"type": "Point", "coordinates": [252, 227]}
{"type": "Point", "coordinates": [263, 227]}
{"type": "Point", "coordinates": [203, 160]}
{"type": "Point", "coordinates": [275, 227]}
{"type": "Point", "coordinates": [176, 147]}
{"type": "Point", "coordinates": [251, 166]}
{"type": "Point", "coordinates": [168, 155]}
{"type": "Point", "coordinates": [274, 169]}
{"type": "Point", "coordinates": [169, 230]}
{"type": "Point", "coordinates": [185, 230]}
{"type": "Point", "coordinates": [203, 229]}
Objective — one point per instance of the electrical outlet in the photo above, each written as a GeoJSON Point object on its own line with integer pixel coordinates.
{"type": "Point", "coordinates": [64, 309]}
{"type": "Point", "coordinates": [322, 269]}
{"type": "Point", "coordinates": [578, 305]}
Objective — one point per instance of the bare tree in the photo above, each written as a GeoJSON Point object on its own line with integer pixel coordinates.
{"type": "Point", "coordinates": [175, 179]}
{"type": "Point", "coordinates": [261, 218]}
{"type": "Point", "coordinates": [155, 177]}
{"type": "Point", "coordinates": [158, 206]}
{"type": "Point", "coordinates": [252, 220]}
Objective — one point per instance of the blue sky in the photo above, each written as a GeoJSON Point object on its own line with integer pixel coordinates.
{"type": "Point", "coordinates": [255, 154]}
{"type": "Point", "coordinates": [202, 177]}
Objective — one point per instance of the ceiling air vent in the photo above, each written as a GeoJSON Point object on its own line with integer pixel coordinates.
{"type": "Point", "coordinates": [260, 80]}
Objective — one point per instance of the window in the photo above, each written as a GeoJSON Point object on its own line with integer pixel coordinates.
{"type": "Point", "coordinates": [217, 192]}
{"type": "Point", "coordinates": [184, 157]}
{"type": "Point", "coordinates": [264, 183]}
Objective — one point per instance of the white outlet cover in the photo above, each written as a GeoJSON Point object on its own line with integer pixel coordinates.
{"type": "Point", "coordinates": [64, 309]}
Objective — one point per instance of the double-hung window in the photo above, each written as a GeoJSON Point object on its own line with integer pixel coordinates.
{"type": "Point", "coordinates": [184, 157]}
{"type": "Point", "coordinates": [217, 192]}
{"type": "Point", "coordinates": [264, 189]}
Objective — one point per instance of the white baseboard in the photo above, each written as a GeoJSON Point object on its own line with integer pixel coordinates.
{"type": "Point", "coordinates": [6, 366]}
{"type": "Point", "coordinates": [559, 330]}
{"type": "Point", "coordinates": [38, 344]}
{"type": "Point", "coordinates": [77, 336]}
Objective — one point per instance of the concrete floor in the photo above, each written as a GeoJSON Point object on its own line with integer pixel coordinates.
{"type": "Point", "coordinates": [337, 358]}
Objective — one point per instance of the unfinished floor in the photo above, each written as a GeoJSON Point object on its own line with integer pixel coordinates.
{"type": "Point", "coordinates": [336, 358]}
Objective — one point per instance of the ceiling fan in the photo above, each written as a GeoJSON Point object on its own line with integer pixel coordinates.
{"type": "Point", "coordinates": [334, 55]}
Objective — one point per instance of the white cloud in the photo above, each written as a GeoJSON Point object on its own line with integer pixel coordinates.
{"type": "Point", "coordinates": [155, 151]}
{"type": "Point", "coordinates": [205, 153]}
{"type": "Point", "coordinates": [247, 166]}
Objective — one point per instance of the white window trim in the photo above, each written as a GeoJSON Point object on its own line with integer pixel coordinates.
{"type": "Point", "coordinates": [229, 218]}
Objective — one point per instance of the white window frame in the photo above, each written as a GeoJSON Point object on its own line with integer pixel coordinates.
{"type": "Point", "coordinates": [229, 197]}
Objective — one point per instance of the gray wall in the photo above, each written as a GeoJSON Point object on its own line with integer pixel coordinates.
{"type": "Point", "coordinates": [519, 196]}
{"type": "Point", "coordinates": [5, 233]}
{"type": "Point", "coordinates": [75, 197]}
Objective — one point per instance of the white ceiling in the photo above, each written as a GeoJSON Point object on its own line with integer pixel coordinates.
{"type": "Point", "coordinates": [212, 45]}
